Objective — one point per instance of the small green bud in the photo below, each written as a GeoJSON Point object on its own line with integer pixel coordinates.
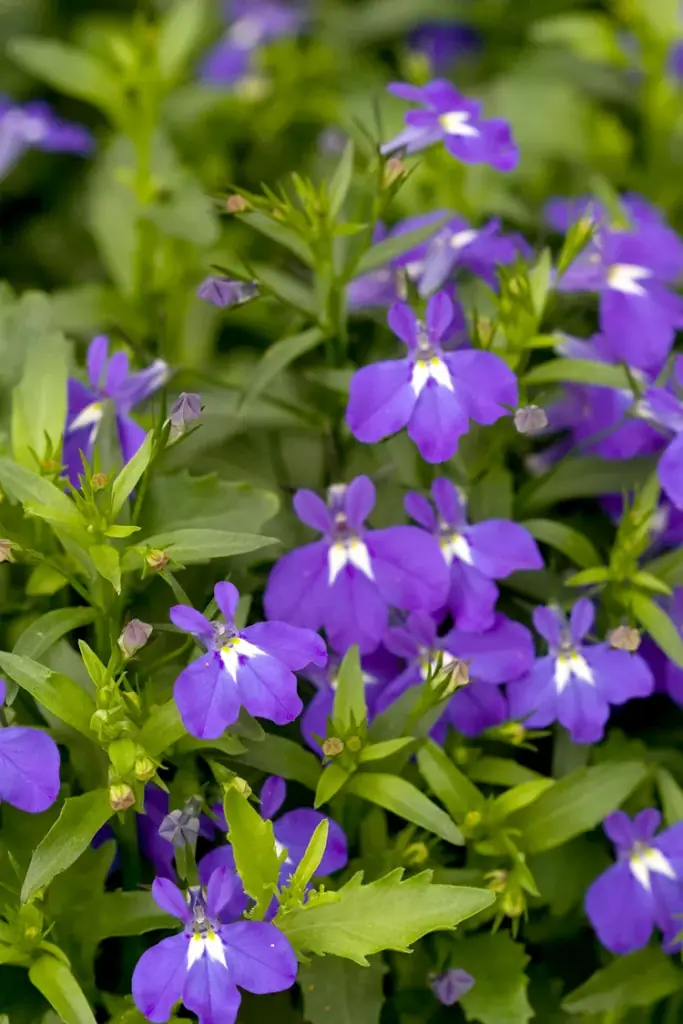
{"type": "Point", "coordinates": [157, 559]}
{"type": "Point", "coordinates": [121, 796]}
{"type": "Point", "coordinates": [145, 769]}
{"type": "Point", "coordinates": [354, 743]}
{"type": "Point", "coordinates": [333, 746]}
{"type": "Point", "coordinates": [416, 854]}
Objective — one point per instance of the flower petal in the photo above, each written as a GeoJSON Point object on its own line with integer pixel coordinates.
{"type": "Point", "coordinates": [294, 831]}
{"type": "Point", "coordinates": [169, 897]}
{"type": "Point", "coordinates": [581, 619]}
{"type": "Point", "coordinates": [381, 400]}
{"type": "Point", "coordinates": [190, 621]}
{"type": "Point", "coordinates": [359, 501]}
{"type": "Point", "coordinates": [210, 992]}
{"type": "Point", "coordinates": [159, 977]}
{"type": "Point", "coordinates": [267, 689]}
{"type": "Point", "coordinates": [297, 589]}
{"type": "Point", "coordinates": [438, 422]}
{"type": "Point", "coordinates": [501, 654]}
{"type": "Point", "coordinates": [439, 315]}
{"type": "Point", "coordinates": [227, 595]}
{"type": "Point", "coordinates": [403, 322]}
{"type": "Point", "coordinates": [419, 508]}
{"type": "Point", "coordinates": [272, 796]}
{"type": "Point", "coordinates": [260, 957]}
{"type": "Point", "coordinates": [619, 675]}
{"type": "Point", "coordinates": [207, 698]}
{"type": "Point", "coordinates": [356, 612]}
{"type": "Point", "coordinates": [312, 510]}
{"type": "Point", "coordinates": [449, 503]}
{"type": "Point", "coordinates": [500, 547]}
{"type": "Point", "coordinates": [29, 768]}
{"type": "Point", "coordinates": [409, 568]}
{"type": "Point", "coordinates": [96, 360]}
{"type": "Point", "coordinates": [293, 646]}
{"type": "Point", "coordinates": [620, 910]}
{"type": "Point", "coordinates": [484, 384]}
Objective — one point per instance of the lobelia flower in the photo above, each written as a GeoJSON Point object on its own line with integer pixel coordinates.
{"type": "Point", "coordinates": [475, 555]}
{"type": "Point", "coordinates": [222, 292]}
{"type": "Point", "coordinates": [449, 117]}
{"type": "Point", "coordinates": [110, 381]}
{"type": "Point", "coordinates": [185, 410]}
{"type": "Point", "coordinates": [251, 668]}
{"type": "Point", "coordinates": [292, 830]}
{"type": "Point", "coordinates": [34, 126]}
{"type": "Point", "coordinates": [499, 655]}
{"type": "Point", "coordinates": [443, 42]}
{"type": "Point", "coordinates": [433, 392]}
{"type": "Point", "coordinates": [29, 766]}
{"type": "Point", "coordinates": [205, 963]}
{"type": "Point", "coordinates": [575, 683]}
{"type": "Point", "coordinates": [256, 22]}
{"type": "Point", "coordinates": [644, 889]}
{"type": "Point", "coordinates": [479, 250]}
{"type": "Point", "coordinates": [378, 668]}
{"type": "Point", "coordinates": [347, 581]}
{"type": "Point", "coordinates": [664, 407]}
{"type": "Point", "coordinates": [668, 676]}
{"type": "Point", "coordinates": [451, 985]}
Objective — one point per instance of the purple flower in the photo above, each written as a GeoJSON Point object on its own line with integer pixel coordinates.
{"type": "Point", "coordinates": [205, 963]}
{"type": "Point", "coordinates": [442, 42]}
{"type": "Point", "coordinates": [29, 766]}
{"type": "Point", "coordinates": [185, 410]}
{"type": "Point", "coordinates": [664, 407]}
{"type": "Point", "coordinates": [476, 555]}
{"type": "Point", "coordinates": [479, 250]}
{"type": "Point", "coordinates": [644, 889]}
{"type": "Point", "coordinates": [668, 676]}
{"type": "Point", "coordinates": [575, 683]}
{"type": "Point", "coordinates": [676, 60]}
{"type": "Point", "coordinates": [451, 118]}
{"type": "Point", "coordinates": [256, 22]}
{"type": "Point", "coordinates": [251, 668]}
{"type": "Point", "coordinates": [451, 985]}
{"type": "Point", "coordinates": [110, 381]}
{"type": "Point", "coordinates": [433, 392]}
{"type": "Point", "coordinates": [347, 581]}
{"type": "Point", "coordinates": [34, 126]}
{"type": "Point", "coordinates": [378, 668]}
{"type": "Point", "coordinates": [221, 291]}
{"type": "Point", "coordinates": [501, 654]}
{"type": "Point", "coordinates": [293, 831]}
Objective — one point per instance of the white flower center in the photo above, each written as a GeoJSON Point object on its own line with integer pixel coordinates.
{"type": "Point", "coordinates": [205, 942]}
{"type": "Point", "coordinates": [455, 546]}
{"type": "Point", "coordinates": [343, 553]}
{"type": "Point", "coordinates": [234, 649]}
{"type": "Point", "coordinates": [625, 277]}
{"type": "Point", "coordinates": [457, 122]}
{"type": "Point", "coordinates": [568, 665]}
{"type": "Point", "coordinates": [462, 238]}
{"type": "Point", "coordinates": [435, 368]}
{"type": "Point", "coordinates": [645, 860]}
{"type": "Point", "coordinates": [431, 664]}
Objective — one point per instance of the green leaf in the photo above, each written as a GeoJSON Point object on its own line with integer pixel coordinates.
{"type": "Point", "coordinates": [277, 755]}
{"type": "Point", "coordinates": [500, 771]}
{"type": "Point", "coordinates": [539, 282]}
{"type": "Point", "coordinates": [163, 728]}
{"type": "Point", "coordinates": [647, 581]}
{"type": "Point", "coordinates": [565, 539]}
{"type": "Point", "coordinates": [588, 577]}
{"type": "Point", "coordinates": [639, 979]}
{"type": "Point", "coordinates": [206, 502]}
{"type": "Point", "coordinates": [453, 788]}
{"type": "Point", "coordinates": [57, 693]}
{"type": "Point", "coordinates": [338, 991]}
{"type": "Point", "coordinates": [285, 287]}
{"type": "Point", "coordinates": [386, 914]}
{"type": "Point", "coordinates": [658, 624]}
{"type": "Point", "coordinates": [491, 497]}
{"type": "Point", "coordinates": [350, 710]}
{"type": "Point", "coordinates": [518, 797]}
{"type": "Point", "coordinates": [379, 255]}
{"type": "Point", "coordinates": [25, 486]}
{"type": "Point", "coordinates": [279, 233]}
{"type": "Point", "coordinates": [127, 479]}
{"type": "Point", "coordinates": [55, 981]}
{"type": "Point", "coordinates": [341, 179]}
{"type": "Point", "coordinates": [124, 913]}
{"type": "Point", "coordinates": [402, 798]}
{"type": "Point", "coordinates": [39, 637]}
{"type": "Point", "coordinates": [583, 476]}
{"type": "Point", "coordinates": [106, 561]}
{"type": "Point", "coordinates": [497, 963]}
{"type": "Point", "coordinates": [80, 818]}
{"type": "Point", "coordinates": [275, 359]}
{"type": "Point", "coordinates": [67, 69]}
{"type": "Point", "coordinates": [45, 581]}
{"type": "Point", "coordinates": [39, 400]}
{"type": "Point", "coordinates": [580, 371]}
{"type": "Point", "coordinates": [387, 748]}
{"type": "Point", "coordinates": [253, 844]}
{"type": "Point", "coordinates": [180, 33]}
{"type": "Point", "coordinates": [310, 862]}
{"type": "Point", "coordinates": [671, 796]}
{"type": "Point", "coordinates": [577, 803]}
{"type": "Point", "coordinates": [668, 567]}
{"type": "Point", "coordinates": [93, 666]}
{"type": "Point", "coordinates": [331, 780]}
{"type": "Point", "coordinates": [191, 547]}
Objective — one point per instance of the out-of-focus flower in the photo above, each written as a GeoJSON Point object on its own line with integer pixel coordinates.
{"type": "Point", "coordinates": [451, 985]}
{"type": "Point", "coordinates": [531, 419]}
{"type": "Point", "coordinates": [443, 42]}
{"type": "Point", "coordinates": [34, 126]}
{"type": "Point", "coordinates": [185, 410]}
{"type": "Point", "coordinates": [134, 636]}
{"type": "Point", "coordinates": [447, 116]}
{"type": "Point", "coordinates": [221, 291]}
{"type": "Point", "coordinates": [254, 23]}
{"type": "Point", "coordinates": [479, 250]}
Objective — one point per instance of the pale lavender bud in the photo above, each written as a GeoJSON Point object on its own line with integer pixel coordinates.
{"type": "Point", "coordinates": [451, 985]}
{"type": "Point", "coordinates": [531, 419]}
{"type": "Point", "coordinates": [221, 291]}
{"type": "Point", "coordinates": [186, 408]}
{"type": "Point", "coordinates": [134, 636]}
{"type": "Point", "coordinates": [182, 826]}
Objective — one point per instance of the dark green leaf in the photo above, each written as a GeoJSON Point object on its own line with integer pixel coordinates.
{"type": "Point", "coordinates": [500, 771]}
{"type": "Point", "coordinates": [518, 797]}
{"type": "Point", "coordinates": [125, 913]}
{"type": "Point", "coordinates": [56, 982]}
{"type": "Point", "coordinates": [565, 539]}
{"type": "Point", "coordinates": [657, 623]}
{"type": "Point", "coordinates": [276, 755]}
{"type": "Point", "coordinates": [668, 567]}
{"type": "Point", "coordinates": [378, 751]}
{"type": "Point", "coordinates": [57, 693]}
{"type": "Point", "coordinates": [67, 69]}
{"type": "Point", "coordinates": [539, 281]}
{"type": "Point", "coordinates": [253, 844]}
{"type": "Point", "coordinates": [580, 371]}
{"type": "Point", "coordinates": [39, 400]}
{"type": "Point", "coordinates": [182, 500]}
{"type": "Point", "coordinates": [49, 628]}
{"type": "Point", "coordinates": [80, 818]}
{"type": "Point", "coordinates": [279, 233]}
{"type": "Point", "coordinates": [384, 252]}
{"type": "Point", "coordinates": [639, 979]}
{"type": "Point", "coordinates": [349, 699]}
{"type": "Point", "coordinates": [400, 797]}
{"type": "Point", "coordinates": [337, 991]}
{"type": "Point", "coordinates": [671, 796]}
{"type": "Point", "coordinates": [276, 358]}
{"type": "Point", "coordinates": [25, 486]}
{"type": "Point", "coordinates": [190, 547]}
{"type": "Point", "coordinates": [497, 964]}
{"type": "Point", "coordinates": [453, 788]}
{"type": "Point", "coordinates": [583, 476]}
{"type": "Point", "coordinates": [285, 287]}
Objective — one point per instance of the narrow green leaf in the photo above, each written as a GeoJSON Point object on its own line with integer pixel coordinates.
{"type": "Point", "coordinates": [518, 797]}
{"type": "Point", "coordinates": [310, 862]}
{"type": "Point", "coordinates": [577, 803]}
{"type": "Point", "coordinates": [378, 751]}
{"type": "Point", "coordinates": [658, 624]}
{"type": "Point", "coordinates": [453, 788]}
{"type": "Point", "coordinates": [253, 844]}
{"type": "Point", "coordinates": [671, 796]}
{"type": "Point", "coordinates": [649, 582]}
{"type": "Point", "coordinates": [402, 798]}
{"type": "Point", "coordinates": [350, 710]}
{"type": "Point", "coordinates": [279, 233]}
{"type": "Point", "coordinates": [106, 561]}
{"type": "Point", "coordinates": [285, 287]}
{"type": "Point", "coordinates": [583, 476]}
{"type": "Point", "coordinates": [124, 913]}
{"type": "Point", "coordinates": [565, 539]}
{"type": "Point", "coordinates": [668, 567]}
{"type": "Point", "coordinates": [127, 479]}
{"type": "Point", "coordinates": [45, 581]}
{"type": "Point", "coordinates": [360, 920]}
{"type": "Point", "coordinates": [275, 359]}
{"type": "Point", "coordinates": [27, 487]}
{"type": "Point", "coordinates": [39, 400]}
{"type": "Point", "coordinates": [192, 547]}
{"type": "Point", "coordinates": [162, 729]}
{"type": "Point", "coordinates": [39, 637]}
{"type": "Point", "coordinates": [497, 963]}
{"type": "Point", "coordinates": [80, 818]}
{"type": "Point", "coordinates": [54, 980]}
{"type": "Point", "coordinates": [331, 780]}
{"type": "Point", "coordinates": [580, 371]}
{"type": "Point", "coordinates": [539, 282]}
{"type": "Point", "coordinates": [57, 693]}
{"type": "Point", "coordinates": [341, 179]}
{"type": "Point", "coordinates": [501, 771]}
{"type": "Point", "coordinates": [337, 991]}
{"type": "Point", "coordinates": [67, 69]}
{"type": "Point", "coordinates": [277, 755]}
{"type": "Point", "coordinates": [93, 666]}
{"type": "Point", "coordinates": [588, 577]}
{"type": "Point", "coordinates": [180, 33]}
{"type": "Point", "coordinates": [379, 255]}
{"type": "Point", "coordinates": [639, 979]}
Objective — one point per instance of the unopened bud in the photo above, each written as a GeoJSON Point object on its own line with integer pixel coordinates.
{"type": "Point", "coordinates": [236, 204]}
{"type": "Point", "coordinates": [241, 785]}
{"type": "Point", "coordinates": [393, 170]}
{"type": "Point", "coordinates": [157, 559]}
{"type": "Point", "coordinates": [99, 480]}
{"type": "Point", "coordinates": [332, 746]}
{"type": "Point", "coordinates": [472, 819]}
{"type": "Point", "coordinates": [416, 854]}
{"type": "Point", "coordinates": [530, 419]}
{"type": "Point", "coordinates": [121, 796]}
{"type": "Point", "coordinates": [512, 903]}
{"type": "Point", "coordinates": [134, 636]}
{"type": "Point", "coordinates": [498, 881]}
{"type": "Point", "coordinates": [6, 551]}
{"type": "Point", "coordinates": [450, 986]}
{"type": "Point", "coordinates": [182, 826]}
{"type": "Point", "coordinates": [50, 466]}
{"type": "Point", "coordinates": [513, 732]}
{"type": "Point", "coordinates": [145, 769]}
{"type": "Point", "coordinates": [223, 292]}
{"type": "Point", "coordinates": [485, 329]}
{"type": "Point", "coordinates": [625, 638]}
{"type": "Point", "coordinates": [354, 743]}
{"type": "Point", "coordinates": [186, 409]}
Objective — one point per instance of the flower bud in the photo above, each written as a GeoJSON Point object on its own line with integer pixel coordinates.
{"type": "Point", "coordinates": [157, 559]}
{"type": "Point", "coordinates": [332, 746]}
{"type": "Point", "coordinates": [450, 986]}
{"type": "Point", "coordinates": [6, 551]}
{"type": "Point", "coordinates": [472, 819]}
{"type": "Point", "coordinates": [530, 419]}
{"type": "Point", "coordinates": [222, 292]}
{"type": "Point", "coordinates": [393, 170]}
{"type": "Point", "coordinates": [121, 796]}
{"type": "Point", "coordinates": [99, 480]}
{"type": "Point", "coordinates": [145, 769]}
{"type": "Point", "coordinates": [416, 854]}
{"type": "Point", "coordinates": [240, 784]}
{"type": "Point", "coordinates": [625, 638]}
{"type": "Point", "coordinates": [236, 204]}
{"type": "Point", "coordinates": [498, 880]}
{"type": "Point", "coordinates": [354, 743]}
{"type": "Point", "coordinates": [134, 637]}
{"type": "Point", "coordinates": [186, 408]}
{"type": "Point", "coordinates": [182, 826]}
